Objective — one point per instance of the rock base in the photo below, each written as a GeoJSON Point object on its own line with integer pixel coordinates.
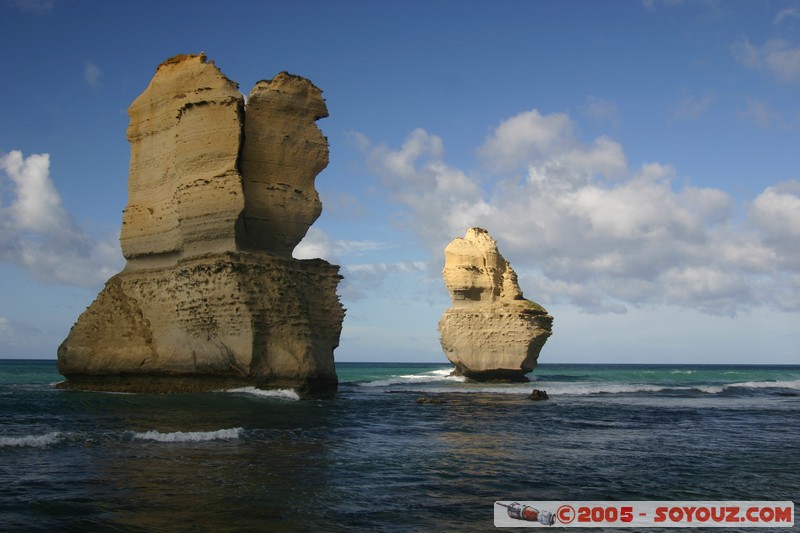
{"type": "Point", "coordinates": [493, 376]}
{"type": "Point", "coordinates": [495, 343]}
{"type": "Point", "coordinates": [210, 322]}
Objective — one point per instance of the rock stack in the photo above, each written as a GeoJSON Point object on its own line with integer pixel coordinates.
{"type": "Point", "coordinates": [211, 296]}
{"type": "Point", "coordinates": [491, 333]}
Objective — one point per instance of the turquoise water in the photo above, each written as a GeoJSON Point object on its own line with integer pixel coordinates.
{"type": "Point", "coordinates": [375, 459]}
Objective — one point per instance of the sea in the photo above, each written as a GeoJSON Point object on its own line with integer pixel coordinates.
{"type": "Point", "coordinates": [403, 447]}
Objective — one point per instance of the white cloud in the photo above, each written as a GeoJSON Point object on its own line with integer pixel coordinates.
{"type": "Point", "coordinates": [776, 212]}
{"type": "Point", "coordinates": [342, 206]}
{"type": "Point", "coordinates": [602, 110]}
{"type": "Point", "coordinates": [651, 5]}
{"type": "Point", "coordinates": [546, 145]}
{"type": "Point", "coordinates": [417, 177]}
{"type": "Point", "coordinates": [37, 7]}
{"type": "Point", "coordinates": [362, 280]}
{"type": "Point", "coordinates": [757, 113]}
{"type": "Point", "coordinates": [527, 136]}
{"type": "Point", "coordinates": [316, 244]}
{"type": "Point", "coordinates": [37, 207]}
{"type": "Point", "coordinates": [357, 248]}
{"type": "Point", "coordinates": [92, 73]}
{"type": "Point", "coordinates": [38, 234]}
{"type": "Point", "coordinates": [786, 14]}
{"type": "Point", "coordinates": [579, 226]}
{"type": "Point", "coordinates": [690, 107]}
{"type": "Point", "coordinates": [776, 56]}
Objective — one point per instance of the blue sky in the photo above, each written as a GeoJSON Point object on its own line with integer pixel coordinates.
{"type": "Point", "coordinates": [637, 161]}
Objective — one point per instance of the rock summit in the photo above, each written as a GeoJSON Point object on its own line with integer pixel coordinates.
{"type": "Point", "coordinates": [211, 296]}
{"type": "Point", "coordinates": [491, 332]}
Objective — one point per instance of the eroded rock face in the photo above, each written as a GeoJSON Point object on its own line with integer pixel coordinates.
{"type": "Point", "coordinates": [210, 296]}
{"type": "Point", "coordinates": [283, 151]}
{"type": "Point", "coordinates": [491, 332]}
{"type": "Point", "coordinates": [185, 190]}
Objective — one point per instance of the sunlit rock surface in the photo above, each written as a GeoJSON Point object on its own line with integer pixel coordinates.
{"type": "Point", "coordinates": [210, 296]}
{"type": "Point", "coordinates": [491, 332]}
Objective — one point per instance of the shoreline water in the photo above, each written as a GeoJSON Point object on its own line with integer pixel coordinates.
{"type": "Point", "coordinates": [374, 459]}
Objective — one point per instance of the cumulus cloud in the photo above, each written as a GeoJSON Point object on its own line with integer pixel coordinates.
{"type": "Point", "coordinates": [580, 226]}
{"type": "Point", "coordinates": [38, 234]}
{"type": "Point", "coordinates": [316, 244]}
{"type": "Point", "coordinates": [776, 213]}
{"type": "Point", "coordinates": [776, 56]}
{"type": "Point", "coordinates": [417, 177]}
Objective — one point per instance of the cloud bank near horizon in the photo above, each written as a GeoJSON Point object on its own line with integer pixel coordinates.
{"type": "Point", "coordinates": [583, 227]}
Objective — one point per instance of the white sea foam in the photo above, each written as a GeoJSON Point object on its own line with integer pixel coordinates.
{"type": "Point", "coordinates": [452, 384]}
{"type": "Point", "coordinates": [768, 384]}
{"type": "Point", "coordinates": [601, 388]}
{"type": "Point", "coordinates": [32, 441]}
{"type": "Point", "coordinates": [622, 388]}
{"type": "Point", "coordinates": [190, 436]}
{"type": "Point", "coordinates": [565, 388]}
{"type": "Point", "coordinates": [424, 377]}
{"type": "Point", "coordinates": [710, 389]}
{"type": "Point", "coordinates": [285, 394]}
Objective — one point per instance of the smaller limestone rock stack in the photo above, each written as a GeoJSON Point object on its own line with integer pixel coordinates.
{"type": "Point", "coordinates": [491, 332]}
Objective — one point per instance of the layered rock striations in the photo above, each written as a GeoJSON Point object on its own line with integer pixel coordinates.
{"type": "Point", "coordinates": [210, 296]}
{"type": "Point", "coordinates": [491, 332]}
{"type": "Point", "coordinates": [283, 151]}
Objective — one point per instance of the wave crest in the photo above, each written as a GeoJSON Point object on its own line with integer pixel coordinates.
{"type": "Point", "coordinates": [424, 377]}
{"type": "Point", "coordinates": [285, 394]}
{"type": "Point", "coordinates": [31, 441]}
{"type": "Point", "coordinates": [190, 436]}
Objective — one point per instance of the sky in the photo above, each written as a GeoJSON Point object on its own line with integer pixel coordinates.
{"type": "Point", "coordinates": [636, 161]}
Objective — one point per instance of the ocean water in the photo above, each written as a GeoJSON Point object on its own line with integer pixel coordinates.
{"type": "Point", "coordinates": [376, 459]}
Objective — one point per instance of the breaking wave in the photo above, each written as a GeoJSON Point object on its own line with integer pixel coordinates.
{"type": "Point", "coordinates": [768, 384]}
{"type": "Point", "coordinates": [31, 441]}
{"type": "Point", "coordinates": [285, 394]}
{"type": "Point", "coordinates": [424, 377]}
{"type": "Point", "coordinates": [190, 436]}
{"type": "Point", "coordinates": [586, 389]}
{"type": "Point", "coordinates": [630, 388]}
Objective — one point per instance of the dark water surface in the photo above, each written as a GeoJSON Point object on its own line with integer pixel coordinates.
{"type": "Point", "coordinates": [375, 459]}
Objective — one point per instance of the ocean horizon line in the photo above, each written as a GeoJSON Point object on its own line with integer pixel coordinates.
{"type": "Point", "coordinates": [539, 365]}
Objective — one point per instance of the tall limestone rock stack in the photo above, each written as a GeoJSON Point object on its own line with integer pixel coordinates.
{"type": "Point", "coordinates": [491, 332]}
{"type": "Point", "coordinates": [210, 296]}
